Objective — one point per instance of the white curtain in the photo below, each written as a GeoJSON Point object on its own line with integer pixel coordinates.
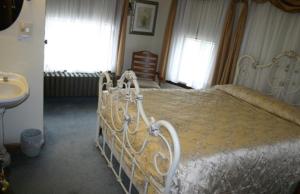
{"type": "Point", "coordinates": [195, 39]}
{"type": "Point", "coordinates": [269, 32]}
{"type": "Point", "coordinates": [82, 35]}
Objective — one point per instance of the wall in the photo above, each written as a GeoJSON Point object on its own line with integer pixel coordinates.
{"type": "Point", "coordinates": [152, 43]}
{"type": "Point", "coordinates": [27, 58]}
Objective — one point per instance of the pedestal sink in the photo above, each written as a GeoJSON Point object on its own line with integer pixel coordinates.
{"type": "Point", "coordinates": [13, 91]}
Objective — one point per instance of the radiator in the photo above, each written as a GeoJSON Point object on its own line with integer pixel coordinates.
{"type": "Point", "coordinates": [59, 84]}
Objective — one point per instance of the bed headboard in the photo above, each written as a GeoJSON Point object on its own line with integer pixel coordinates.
{"type": "Point", "coordinates": [279, 78]}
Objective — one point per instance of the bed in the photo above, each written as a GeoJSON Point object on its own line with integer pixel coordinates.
{"type": "Point", "coordinates": [227, 139]}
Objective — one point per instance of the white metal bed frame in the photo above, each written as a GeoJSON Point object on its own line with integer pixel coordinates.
{"type": "Point", "coordinates": [280, 86]}
{"type": "Point", "coordinates": [124, 91]}
{"type": "Point", "coordinates": [280, 82]}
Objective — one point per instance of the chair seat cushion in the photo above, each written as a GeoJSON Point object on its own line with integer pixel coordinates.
{"type": "Point", "coordinates": [144, 83]}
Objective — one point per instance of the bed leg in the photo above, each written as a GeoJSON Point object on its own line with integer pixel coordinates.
{"type": "Point", "coordinates": [98, 135]}
{"type": "Point", "coordinates": [295, 188]}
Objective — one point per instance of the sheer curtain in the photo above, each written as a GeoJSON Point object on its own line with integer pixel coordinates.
{"type": "Point", "coordinates": [269, 32]}
{"type": "Point", "coordinates": [82, 35]}
{"type": "Point", "coordinates": [194, 46]}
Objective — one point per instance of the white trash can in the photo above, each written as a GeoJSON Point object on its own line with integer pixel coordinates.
{"type": "Point", "coordinates": [31, 142]}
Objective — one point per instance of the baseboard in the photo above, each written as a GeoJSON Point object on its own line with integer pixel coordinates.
{"type": "Point", "coordinates": [13, 147]}
{"type": "Point", "coordinates": [179, 84]}
{"type": "Point", "coordinates": [16, 147]}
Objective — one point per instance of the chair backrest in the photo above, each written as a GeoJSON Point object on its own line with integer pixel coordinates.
{"type": "Point", "coordinates": [144, 64]}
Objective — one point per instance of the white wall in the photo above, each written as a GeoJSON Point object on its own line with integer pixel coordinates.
{"type": "Point", "coordinates": [26, 58]}
{"type": "Point", "coordinates": [136, 42]}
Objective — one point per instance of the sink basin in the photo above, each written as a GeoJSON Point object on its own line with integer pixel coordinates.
{"type": "Point", "coordinates": [13, 89]}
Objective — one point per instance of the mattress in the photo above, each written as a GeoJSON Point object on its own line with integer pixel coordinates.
{"type": "Point", "coordinates": [233, 139]}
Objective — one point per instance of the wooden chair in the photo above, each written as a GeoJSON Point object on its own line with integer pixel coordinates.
{"type": "Point", "coordinates": [144, 64]}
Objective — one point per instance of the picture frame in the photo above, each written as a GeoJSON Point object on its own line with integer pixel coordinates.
{"type": "Point", "coordinates": [143, 17]}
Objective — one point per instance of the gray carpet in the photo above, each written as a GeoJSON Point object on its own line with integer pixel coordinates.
{"type": "Point", "coordinates": [69, 162]}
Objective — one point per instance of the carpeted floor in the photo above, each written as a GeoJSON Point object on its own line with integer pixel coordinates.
{"type": "Point", "coordinates": [69, 162]}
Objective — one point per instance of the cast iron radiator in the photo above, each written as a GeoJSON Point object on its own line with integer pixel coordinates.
{"type": "Point", "coordinates": [59, 84]}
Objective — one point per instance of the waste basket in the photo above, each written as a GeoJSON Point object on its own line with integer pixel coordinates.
{"type": "Point", "coordinates": [31, 142]}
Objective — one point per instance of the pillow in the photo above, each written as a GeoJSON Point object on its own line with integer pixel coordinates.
{"type": "Point", "coordinates": [265, 102]}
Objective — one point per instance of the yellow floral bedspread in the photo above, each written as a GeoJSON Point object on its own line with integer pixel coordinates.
{"type": "Point", "coordinates": [233, 139]}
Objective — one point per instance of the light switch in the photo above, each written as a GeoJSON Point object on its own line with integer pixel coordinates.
{"type": "Point", "coordinates": [25, 30]}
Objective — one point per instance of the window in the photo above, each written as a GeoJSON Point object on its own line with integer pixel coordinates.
{"type": "Point", "coordinates": [195, 41]}
{"type": "Point", "coordinates": [81, 37]}
{"type": "Point", "coordinates": [195, 63]}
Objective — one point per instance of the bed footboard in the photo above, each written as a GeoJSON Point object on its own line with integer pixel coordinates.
{"type": "Point", "coordinates": [113, 106]}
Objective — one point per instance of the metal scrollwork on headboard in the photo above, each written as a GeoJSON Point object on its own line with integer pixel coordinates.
{"type": "Point", "coordinates": [245, 65]}
{"type": "Point", "coordinates": [279, 78]}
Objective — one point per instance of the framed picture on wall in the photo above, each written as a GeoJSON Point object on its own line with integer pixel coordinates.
{"type": "Point", "coordinates": [143, 18]}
